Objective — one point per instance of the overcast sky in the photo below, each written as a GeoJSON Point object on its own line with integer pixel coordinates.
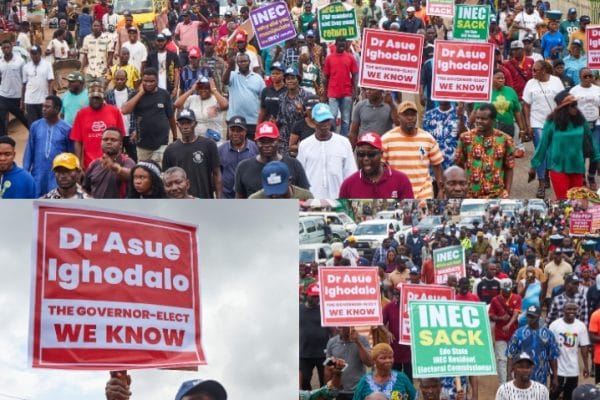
{"type": "Point", "coordinates": [248, 254]}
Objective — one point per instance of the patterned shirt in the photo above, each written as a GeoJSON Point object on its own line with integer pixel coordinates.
{"type": "Point", "coordinates": [55, 194]}
{"type": "Point", "coordinates": [443, 127]}
{"type": "Point", "coordinates": [485, 160]}
{"type": "Point", "coordinates": [540, 344]}
{"type": "Point", "coordinates": [557, 309]}
{"type": "Point", "coordinates": [509, 391]}
{"type": "Point", "coordinates": [289, 114]}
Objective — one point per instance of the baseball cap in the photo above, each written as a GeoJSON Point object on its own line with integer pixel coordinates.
{"type": "Point", "coordinates": [414, 270]}
{"type": "Point", "coordinates": [161, 36]}
{"type": "Point", "coordinates": [35, 49]}
{"type": "Point", "coordinates": [213, 388]}
{"type": "Point", "coordinates": [370, 138]}
{"type": "Point", "coordinates": [194, 52]}
{"type": "Point", "coordinates": [209, 40]}
{"type": "Point", "coordinates": [528, 38]}
{"type": "Point", "coordinates": [310, 33]}
{"type": "Point", "coordinates": [311, 102]}
{"type": "Point", "coordinates": [410, 9]}
{"type": "Point", "coordinates": [127, 13]}
{"type": "Point", "coordinates": [186, 114]}
{"type": "Point", "coordinates": [313, 290]}
{"type": "Point", "coordinates": [586, 392]}
{"type": "Point", "coordinates": [523, 357]}
{"type": "Point", "coordinates": [66, 160]}
{"type": "Point", "coordinates": [95, 91]}
{"type": "Point", "coordinates": [352, 239]}
{"type": "Point", "coordinates": [132, 29]}
{"type": "Point", "coordinates": [75, 77]}
{"type": "Point", "coordinates": [300, 37]}
{"type": "Point", "coordinates": [228, 14]}
{"type": "Point", "coordinates": [238, 121]}
{"type": "Point", "coordinates": [321, 112]}
{"type": "Point", "coordinates": [407, 105]}
{"type": "Point", "coordinates": [577, 42]}
{"type": "Point", "coordinates": [278, 66]}
{"type": "Point", "coordinates": [572, 10]}
{"type": "Point", "coordinates": [291, 71]}
{"type": "Point", "coordinates": [506, 284]}
{"type": "Point", "coordinates": [241, 36]}
{"type": "Point", "coordinates": [534, 310]}
{"type": "Point", "coordinates": [166, 32]}
{"type": "Point", "coordinates": [572, 279]}
{"type": "Point", "coordinates": [266, 129]}
{"type": "Point", "coordinates": [585, 19]}
{"type": "Point", "coordinates": [517, 44]}
{"type": "Point", "coordinates": [275, 178]}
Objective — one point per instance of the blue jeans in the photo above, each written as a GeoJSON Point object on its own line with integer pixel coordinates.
{"type": "Point", "coordinates": [596, 141]}
{"type": "Point", "coordinates": [541, 170]}
{"type": "Point", "coordinates": [344, 105]}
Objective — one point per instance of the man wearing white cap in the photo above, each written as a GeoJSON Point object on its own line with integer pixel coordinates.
{"type": "Point", "coordinates": [522, 387]}
{"type": "Point", "coordinates": [411, 24]}
{"type": "Point", "coordinates": [326, 157]}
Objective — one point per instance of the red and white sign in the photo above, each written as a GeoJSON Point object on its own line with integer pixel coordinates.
{"type": "Point", "coordinates": [410, 292]}
{"type": "Point", "coordinates": [391, 60]}
{"type": "Point", "coordinates": [595, 211]}
{"type": "Point", "coordinates": [442, 8]}
{"type": "Point", "coordinates": [113, 291]}
{"type": "Point", "coordinates": [350, 296]}
{"type": "Point", "coordinates": [592, 41]}
{"type": "Point", "coordinates": [580, 223]}
{"type": "Point", "coordinates": [462, 71]}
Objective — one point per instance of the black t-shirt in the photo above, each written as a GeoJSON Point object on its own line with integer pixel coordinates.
{"type": "Point", "coordinates": [488, 289]}
{"type": "Point", "coordinates": [313, 337]}
{"type": "Point", "coordinates": [199, 159]}
{"type": "Point", "coordinates": [152, 114]}
{"type": "Point", "coordinates": [269, 99]}
{"type": "Point", "coordinates": [301, 128]}
{"type": "Point", "coordinates": [248, 178]}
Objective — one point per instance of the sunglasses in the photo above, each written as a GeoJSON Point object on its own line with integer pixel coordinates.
{"type": "Point", "coordinates": [370, 154]}
{"type": "Point", "coordinates": [573, 104]}
{"type": "Point", "coordinates": [587, 76]}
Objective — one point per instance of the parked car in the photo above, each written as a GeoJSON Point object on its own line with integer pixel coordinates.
{"type": "Point", "coordinates": [316, 252]}
{"type": "Point", "coordinates": [427, 224]}
{"type": "Point", "coordinates": [311, 229]}
{"type": "Point", "coordinates": [473, 208]}
{"type": "Point", "coordinates": [389, 214]}
{"type": "Point", "coordinates": [338, 221]}
{"type": "Point", "coordinates": [370, 235]}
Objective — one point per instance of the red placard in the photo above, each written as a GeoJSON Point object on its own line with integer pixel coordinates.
{"type": "Point", "coordinates": [391, 60]}
{"type": "Point", "coordinates": [410, 292]}
{"type": "Point", "coordinates": [592, 41]}
{"type": "Point", "coordinates": [462, 71]}
{"type": "Point", "coordinates": [580, 223]}
{"type": "Point", "coordinates": [350, 296]}
{"type": "Point", "coordinates": [442, 8]}
{"type": "Point", "coordinates": [113, 291]}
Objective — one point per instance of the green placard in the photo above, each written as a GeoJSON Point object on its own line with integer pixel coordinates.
{"type": "Point", "coordinates": [471, 22]}
{"type": "Point", "coordinates": [335, 20]}
{"type": "Point", "coordinates": [447, 261]}
{"type": "Point", "coordinates": [450, 338]}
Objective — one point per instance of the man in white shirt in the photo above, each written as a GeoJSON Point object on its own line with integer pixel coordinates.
{"type": "Point", "coordinates": [137, 51]}
{"type": "Point", "coordinates": [350, 253]}
{"type": "Point", "coordinates": [326, 156]}
{"type": "Point", "coordinates": [38, 78]}
{"type": "Point", "coordinates": [11, 86]}
{"type": "Point", "coordinates": [527, 20]}
{"type": "Point", "coordinates": [110, 18]}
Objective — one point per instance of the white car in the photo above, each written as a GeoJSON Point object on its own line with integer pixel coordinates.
{"type": "Point", "coordinates": [336, 219]}
{"type": "Point", "coordinates": [370, 234]}
{"type": "Point", "coordinates": [318, 252]}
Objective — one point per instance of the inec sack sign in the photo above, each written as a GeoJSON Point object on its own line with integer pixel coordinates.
{"type": "Point", "coordinates": [113, 291]}
{"type": "Point", "coordinates": [272, 24]}
{"type": "Point", "coordinates": [471, 22]}
{"type": "Point", "coordinates": [448, 261]}
{"type": "Point", "coordinates": [450, 338]}
{"type": "Point", "coordinates": [336, 20]}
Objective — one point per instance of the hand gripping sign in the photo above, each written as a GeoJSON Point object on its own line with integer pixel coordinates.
{"type": "Point", "coordinates": [272, 24]}
{"type": "Point", "coordinates": [350, 296]}
{"type": "Point", "coordinates": [113, 291]}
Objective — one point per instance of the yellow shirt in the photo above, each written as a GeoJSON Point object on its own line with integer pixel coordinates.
{"type": "Point", "coordinates": [133, 75]}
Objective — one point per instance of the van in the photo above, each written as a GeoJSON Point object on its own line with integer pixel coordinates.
{"type": "Point", "coordinates": [473, 208]}
{"type": "Point", "coordinates": [311, 229]}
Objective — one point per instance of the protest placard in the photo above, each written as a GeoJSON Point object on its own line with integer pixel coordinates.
{"type": "Point", "coordinates": [350, 296]}
{"type": "Point", "coordinates": [272, 24]}
{"type": "Point", "coordinates": [410, 292]}
{"type": "Point", "coordinates": [592, 43]}
{"type": "Point", "coordinates": [462, 71]}
{"type": "Point", "coordinates": [441, 8]}
{"type": "Point", "coordinates": [450, 338]}
{"type": "Point", "coordinates": [335, 21]}
{"type": "Point", "coordinates": [391, 60]}
{"type": "Point", "coordinates": [471, 22]}
{"type": "Point", "coordinates": [448, 261]}
{"type": "Point", "coordinates": [113, 291]}
{"type": "Point", "coordinates": [580, 223]}
{"type": "Point", "coordinates": [595, 211]}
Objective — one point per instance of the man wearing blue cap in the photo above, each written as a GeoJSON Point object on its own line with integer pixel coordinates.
{"type": "Point", "coordinates": [276, 184]}
{"type": "Point", "coordinates": [270, 95]}
{"type": "Point", "coordinates": [569, 25]}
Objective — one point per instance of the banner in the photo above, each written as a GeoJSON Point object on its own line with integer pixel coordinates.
{"type": "Point", "coordinates": [113, 291]}
{"type": "Point", "coordinates": [580, 223]}
{"type": "Point", "coordinates": [592, 43]}
{"type": "Point", "coordinates": [450, 339]}
{"type": "Point", "coordinates": [335, 20]}
{"type": "Point", "coordinates": [595, 211]}
{"type": "Point", "coordinates": [391, 60]}
{"type": "Point", "coordinates": [471, 22]}
{"type": "Point", "coordinates": [272, 24]}
{"type": "Point", "coordinates": [441, 8]}
{"type": "Point", "coordinates": [410, 292]}
{"type": "Point", "coordinates": [449, 261]}
{"type": "Point", "coordinates": [462, 71]}
{"type": "Point", "coordinates": [350, 296]}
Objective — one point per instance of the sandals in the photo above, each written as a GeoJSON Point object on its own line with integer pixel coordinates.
{"type": "Point", "coordinates": [541, 191]}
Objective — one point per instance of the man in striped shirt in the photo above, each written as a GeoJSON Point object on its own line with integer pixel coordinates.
{"type": "Point", "coordinates": [413, 151]}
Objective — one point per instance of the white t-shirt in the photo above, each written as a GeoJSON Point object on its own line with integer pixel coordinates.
{"type": "Point", "coordinates": [35, 78]}
{"type": "Point", "coordinates": [208, 114]}
{"type": "Point", "coordinates": [540, 96]}
{"type": "Point", "coordinates": [588, 101]}
{"type": "Point", "coordinates": [60, 50]}
{"type": "Point", "coordinates": [326, 163]}
{"type": "Point", "coordinates": [137, 53]}
{"type": "Point", "coordinates": [162, 69]}
{"type": "Point", "coordinates": [508, 391]}
{"type": "Point", "coordinates": [570, 338]}
{"type": "Point", "coordinates": [109, 20]}
{"type": "Point", "coordinates": [23, 41]}
{"type": "Point", "coordinates": [528, 21]}
{"type": "Point", "coordinates": [12, 77]}
{"type": "Point", "coordinates": [350, 253]}
{"type": "Point", "coordinates": [120, 99]}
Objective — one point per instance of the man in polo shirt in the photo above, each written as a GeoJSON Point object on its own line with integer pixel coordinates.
{"type": "Point", "coordinates": [374, 179]}
{"type": "Point", "coordinates": [186, 36]}
{"type": "Point", "coordinates": [11, 87]}
{"type": "Point", "coordinates": [326, 157]}
{"type": "Point", "coordinates": [413, 151]}
{"type": "Point", "coordinates": [376, 113]}
{"type": "Point", "coordinates": [276, 184]}
{"type": "Point", "coordinates": [233, 151]}
{"type": "Point", "coordinates": [75, 98]}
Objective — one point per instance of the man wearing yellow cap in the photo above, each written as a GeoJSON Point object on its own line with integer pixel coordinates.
{"type": "Point", "coordinates": [67, 171]}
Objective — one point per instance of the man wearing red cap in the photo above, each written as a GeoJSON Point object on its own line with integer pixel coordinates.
{"type": "Point", "coordinates": [248, 174]}
{"type": "Point", "coordinates": [241, 41]}
{"type": "Point", "coordinates": [190, 73]}
{"type": "Point", "coordinates": [212, 63]}
{"type": "Point", "coordinates": [374, 179]}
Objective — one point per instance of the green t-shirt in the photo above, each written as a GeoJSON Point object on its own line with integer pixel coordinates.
{"type": "Point", "coordinates": [305, 21]}
{"type": "Point", "coordinates": [507, 104]}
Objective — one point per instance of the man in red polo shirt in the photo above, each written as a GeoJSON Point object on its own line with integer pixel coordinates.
{"type": "Point", "coordinates": [374, 179]}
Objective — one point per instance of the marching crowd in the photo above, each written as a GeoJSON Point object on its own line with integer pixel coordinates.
{"type": "Point", "coordinates": [243, 107]}
{"type": "Point", "coordinates": [541, 285]}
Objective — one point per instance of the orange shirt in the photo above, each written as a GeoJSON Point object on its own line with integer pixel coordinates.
{"type": "Point", "coordinates": [595, 328]}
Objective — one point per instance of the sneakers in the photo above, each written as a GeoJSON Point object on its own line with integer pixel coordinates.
{"type": "Point", "coordinates": [520, 153]}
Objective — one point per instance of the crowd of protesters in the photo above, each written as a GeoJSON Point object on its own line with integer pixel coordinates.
{"type": "Point", "coordinates": [540, 282]}
{"type": "Point", "coordinates": [337, 139]}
